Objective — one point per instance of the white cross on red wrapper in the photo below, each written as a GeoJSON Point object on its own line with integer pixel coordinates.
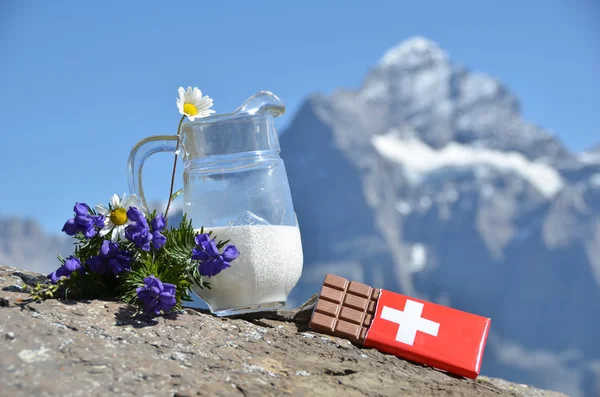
{"type": "Point", "coordinates": [410, 321]}
{"type": "Point", "coordinates": [428, 333]}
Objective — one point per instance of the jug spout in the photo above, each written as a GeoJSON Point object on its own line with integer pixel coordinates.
{"type": "Point", "coordinates": [250, 129]}
{"type": "Point", "coordinates": [263, 102]}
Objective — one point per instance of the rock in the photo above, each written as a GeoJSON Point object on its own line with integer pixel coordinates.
{"type": "Point", "coordinates": [300, 315]}
{"type": "Point", "coordinates": [96, 348]}
{"type": "Point", "coordinates": [31, 279]}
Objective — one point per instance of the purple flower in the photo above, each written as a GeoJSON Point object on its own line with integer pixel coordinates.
{"type": "Point", "coordinates": [156, 295]}
{"type": "Point", "coordinates": [71, 264]}
{"type": "Point", "coordinates": [207, 252]}
{"type": "Point", "coordinates": [158, 225]}
{"type": "Point", "coordinates": [139, 231]}
{"type": "Point", "coordinates": [111, 258]}
{"type": "Point", "coordinates": [137, 216]}
{"type": "Point", "coordinates": [206, 248]}
{"type": "Point", "coordinates": [141, 236]}
{"type": "Point", "coordinates": [83, 222]}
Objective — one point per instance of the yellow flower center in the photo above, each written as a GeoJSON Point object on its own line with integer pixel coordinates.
{"type": "Point", "coordinates": [118, 216]}
{"type": "Point", "coordinates": [190, 109]}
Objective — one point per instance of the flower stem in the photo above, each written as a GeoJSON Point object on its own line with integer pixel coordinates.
{"type": "Point", "coordinates": [174, 168]}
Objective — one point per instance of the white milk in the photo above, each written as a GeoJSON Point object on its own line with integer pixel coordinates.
{"type": "Point", "coordinates": [268, 267]}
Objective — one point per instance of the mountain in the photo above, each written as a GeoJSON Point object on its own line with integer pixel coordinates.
{"type": "Point", "coordinates": [427, 180]}
{"type": "Point", "coordinates": [24, 244]}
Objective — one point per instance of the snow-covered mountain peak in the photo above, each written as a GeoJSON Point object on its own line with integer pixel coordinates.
{"type": "Point", "coordinates": [413, 52]}
{"type": "Point", "coordinates": [417, 85]}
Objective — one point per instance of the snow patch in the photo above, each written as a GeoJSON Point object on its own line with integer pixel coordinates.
{"type": "Point", "coordinates": [595, 180]}
{"type": "Point", "coordinates": [418, 258]}
{"type": "Point", "coordinates": [477, 87]}
{"type": "Point", "coordinates": [450, 196]}
{"type": "Point", "coordinates": [590, 157]}
{"type": "Point", "coordinates": [425, 203]}
{"type": "Point", "coordinates": [419, 158]}
{"type": "Point", "coordinates": [403, 207]}
{"type": "Point", "coordinates": [374, 89]}
{"type": "Point", "coordinates": [413, 52]}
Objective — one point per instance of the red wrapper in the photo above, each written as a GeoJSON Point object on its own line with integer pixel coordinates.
{"type": "Point", "coordinates": [420, 331]}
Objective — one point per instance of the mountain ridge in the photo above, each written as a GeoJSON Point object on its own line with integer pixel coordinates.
{"type": "Point", "coordinates": [476, 235]}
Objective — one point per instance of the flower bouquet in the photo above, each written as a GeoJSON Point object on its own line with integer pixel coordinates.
{"type": "Point", "coordinates": [124, 252]}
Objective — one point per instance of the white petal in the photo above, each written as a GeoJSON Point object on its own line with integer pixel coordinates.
{"type": "Point", "coordinates": [205, 104]}
{"type": "Point", "coordinates": [115, 234]}
{"type": "Point", "coordinates": [203, 107]}
{"type": "Point", "coordinates": [181, 92]}
{"type": "Point", "coordinates": [115, 200]}
{"type": "Point", "coordinates": [104, 231]}
{"type": "Point", "coordinates": [102, 210]}
{"type": "Point", "coordinates": [188, 94]}
{"type": "Point", "coordinates": [132, 202]}
{"type": "Point", "coordinates": [121, 232]}
{"type": "Point", "coordinates": [197, 93]}
{"type": "Point", "coordinates": [125, 202]}
{"type": "Point", "coordinates": [192, 118]}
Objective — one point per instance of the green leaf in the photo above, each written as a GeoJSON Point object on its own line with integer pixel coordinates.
{"type": "Point", "coordinates": [176, 194]}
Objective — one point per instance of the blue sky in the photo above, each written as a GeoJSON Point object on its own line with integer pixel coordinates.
{"type": "Point", "coordinates": [82, 82]}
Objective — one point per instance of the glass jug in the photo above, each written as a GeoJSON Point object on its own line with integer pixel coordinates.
{"type": "Point", "coordinates": [235, 185]}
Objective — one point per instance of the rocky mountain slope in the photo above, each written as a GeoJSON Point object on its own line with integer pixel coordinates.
{"type": "Point", "coordinates": [97, 348]}
{"type": "Point", "coordinates": [427, 180]}
{"type": "Point", "coordinates": [23, 243]}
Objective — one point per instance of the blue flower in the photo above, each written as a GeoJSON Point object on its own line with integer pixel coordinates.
{"type": "Point", "coordinates": [111, 258]}
{"type": "Point", "coordinates": [206, 248]}
{"type": "Point", "coordinates": [158, 225]}
{"type": "Point", "coordinates": [156, 295]}
{"type": "Point", "coordinates": [139, 231]}
{"type": "Point", "coordinates": [207, 252]}
{"type": "Point", "coordinates": [83, 222]}
{"type": "Point", "coordinates": [137, 216]}
{"type": "Point", "coordinates": [71, 264]}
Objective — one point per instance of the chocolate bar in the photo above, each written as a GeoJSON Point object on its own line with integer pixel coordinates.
{"type": "Point", "coordinates": [431, 334]}
{"type": "Point", "coordinates": [344, 308]}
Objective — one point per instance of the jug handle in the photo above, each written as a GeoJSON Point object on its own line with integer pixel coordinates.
{"type": "Point", "coordinates": [140, 152]}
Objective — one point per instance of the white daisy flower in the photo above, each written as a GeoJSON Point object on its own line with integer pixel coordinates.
{"type": "Point", "coordinates": [193, 104]}
{"type": "Point", "coordinates": [115, 216]}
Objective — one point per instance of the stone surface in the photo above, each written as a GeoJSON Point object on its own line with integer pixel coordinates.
{"type": "Point", "coordinates": [96, 348]}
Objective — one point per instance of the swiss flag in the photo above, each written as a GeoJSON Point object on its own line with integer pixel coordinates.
{"type": "Point", "coordinates": [438, 336]}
